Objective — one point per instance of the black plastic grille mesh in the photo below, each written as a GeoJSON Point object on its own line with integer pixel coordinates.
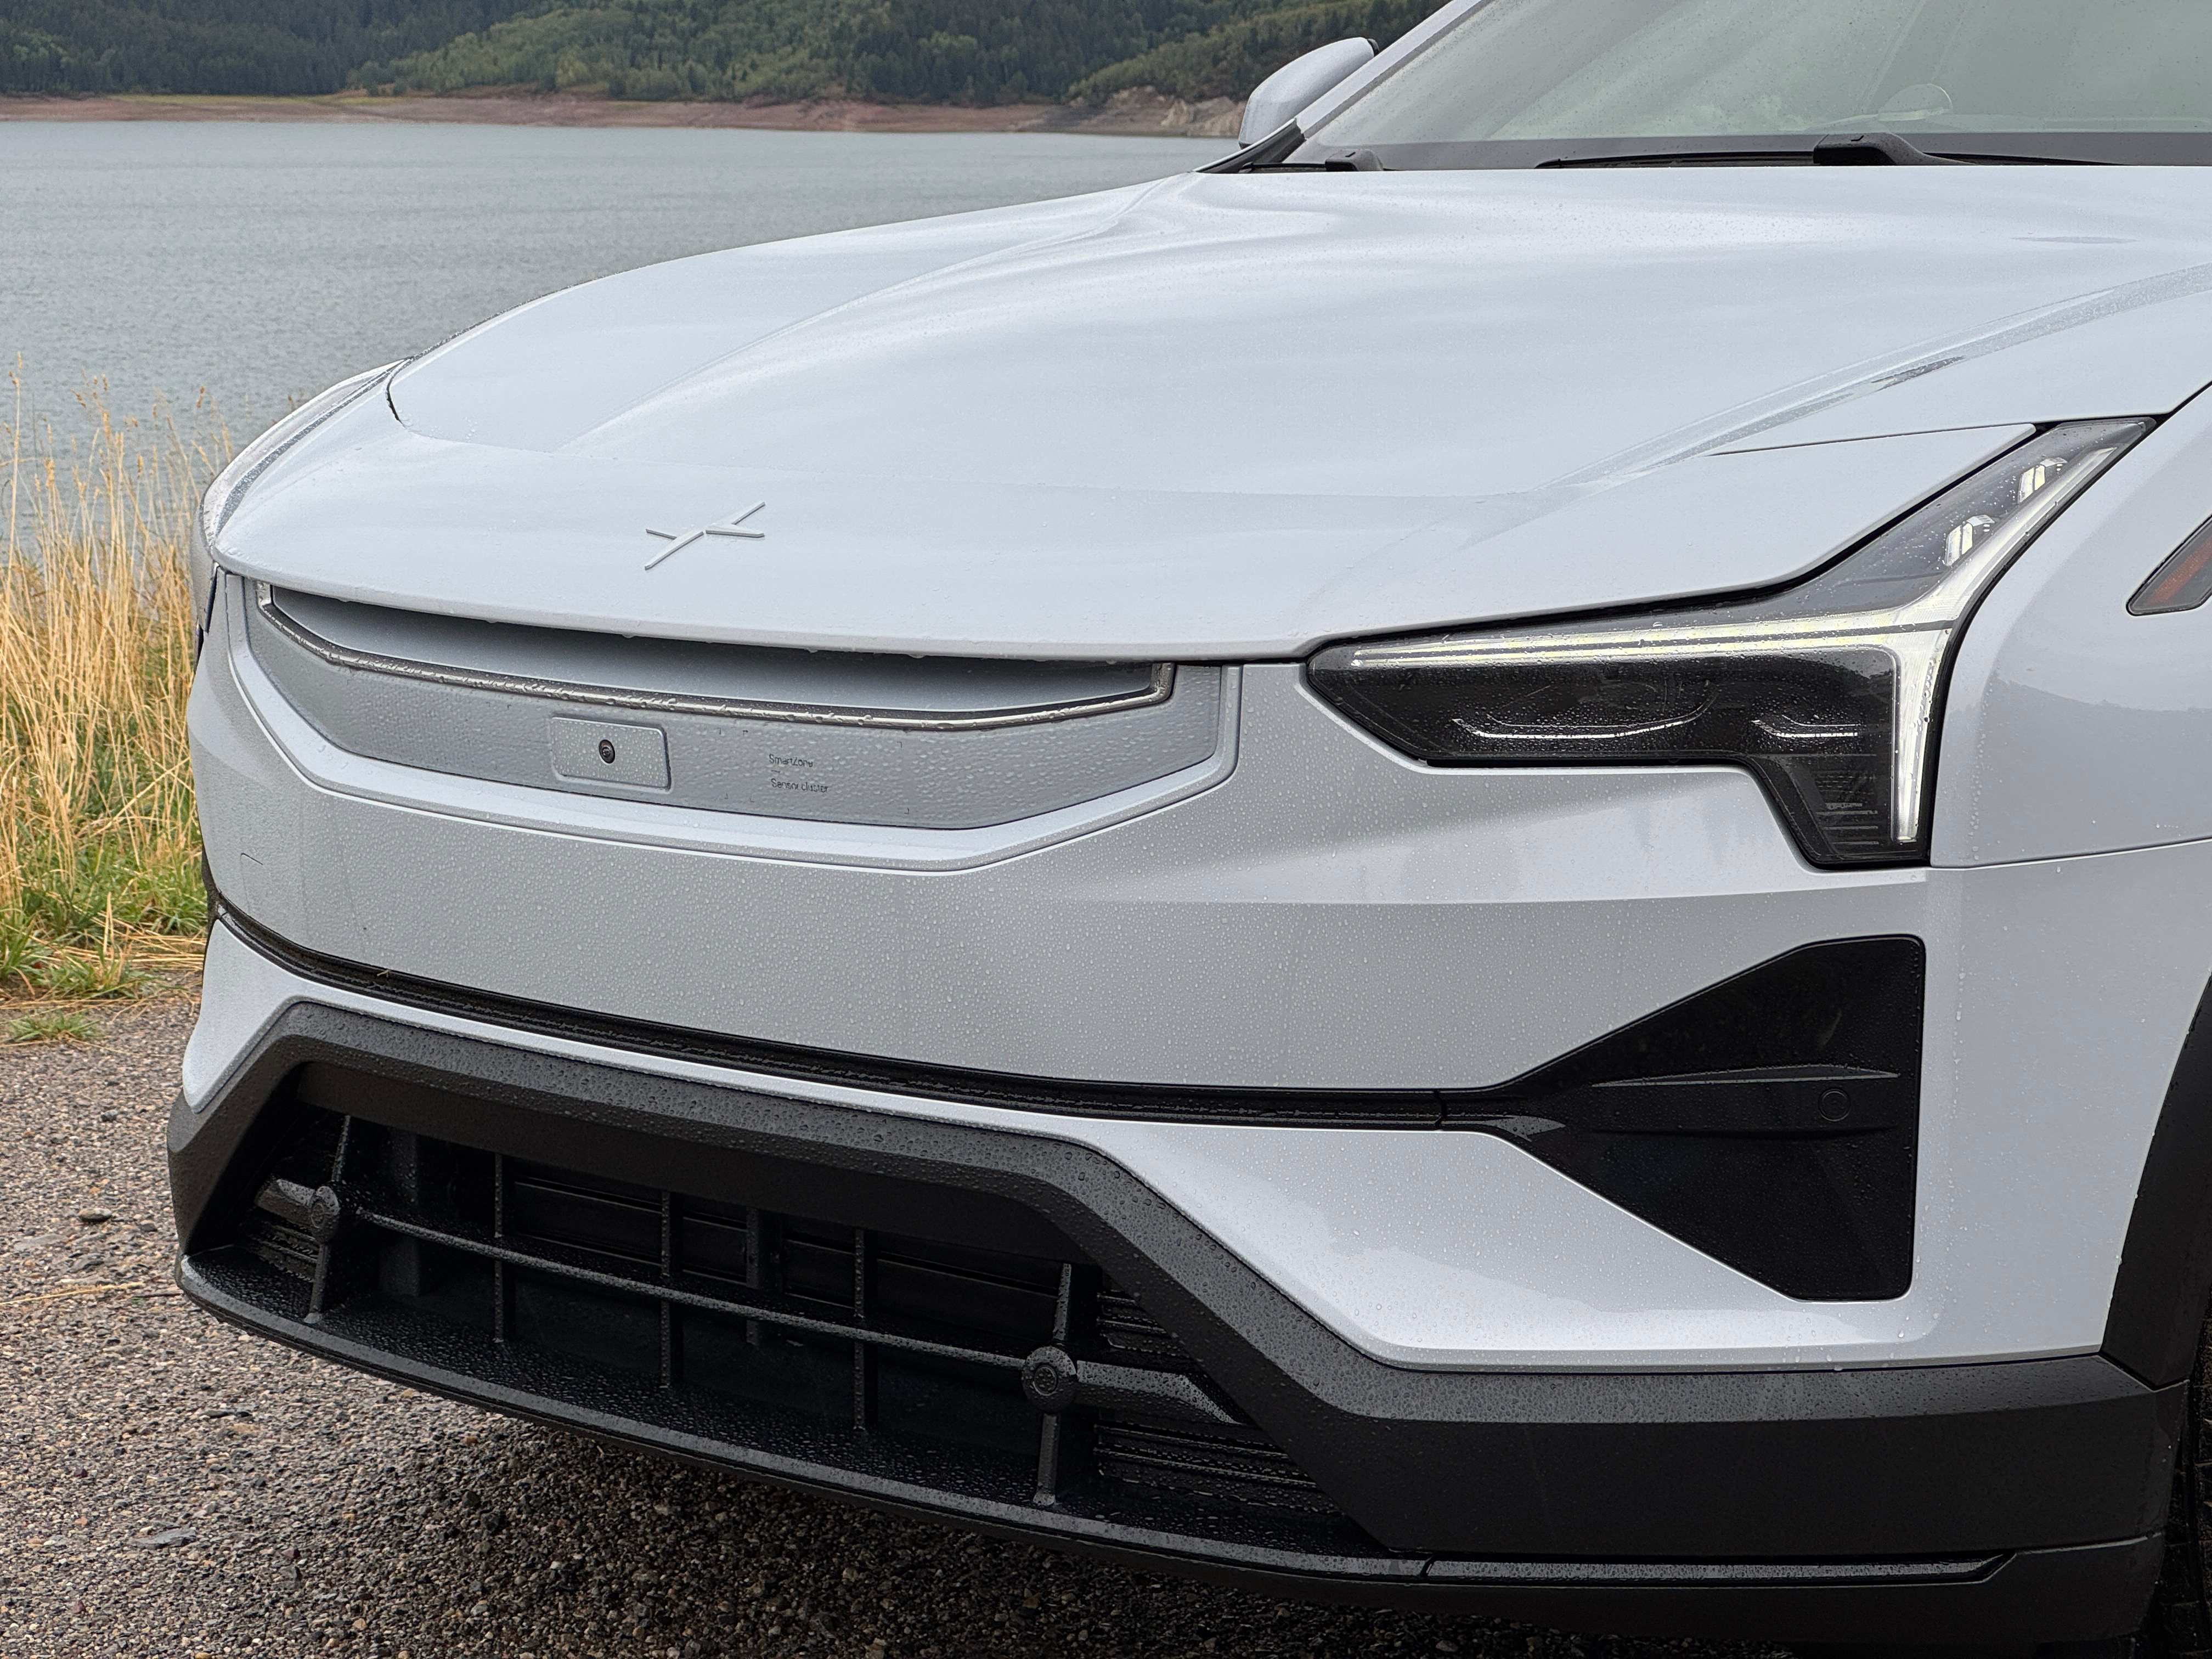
{"type": "Point", "coordinates": [931, 1348]}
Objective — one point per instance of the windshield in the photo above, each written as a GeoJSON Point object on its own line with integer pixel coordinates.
{"type": "Point", "coordinates": [1529, 82]}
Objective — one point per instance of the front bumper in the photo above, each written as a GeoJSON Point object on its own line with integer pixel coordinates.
{"type": "Point", "coordinates": [1997, 1502]}
{"type": "Point", "coordinates": [1386, 1360]}
{"type": "Point", "coordinates": [1307, 911]}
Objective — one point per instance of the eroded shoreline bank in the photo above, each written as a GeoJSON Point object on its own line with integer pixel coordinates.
{"type": "Point", "coordinates": [1136, 114]}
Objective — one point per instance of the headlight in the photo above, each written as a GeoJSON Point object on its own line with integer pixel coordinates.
{"type": "Point", "coordinates": [1827, 692]}
{"type": "Point", "coordinates": [231, 484]}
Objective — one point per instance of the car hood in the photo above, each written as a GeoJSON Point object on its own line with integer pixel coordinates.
{"type": "Point", "coordinates": [1235, 415]}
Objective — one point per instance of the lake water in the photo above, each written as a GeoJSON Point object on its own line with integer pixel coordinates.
{"type": "Point", "coordinates": [260, 261]}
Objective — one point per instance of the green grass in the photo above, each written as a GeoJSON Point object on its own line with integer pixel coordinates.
{"type": "Point", "coordinates": [82, 978]}
{"type": "Point", "coordinates": [100, 889]}
{"type": "Point", "coordinates": [62, 1026]}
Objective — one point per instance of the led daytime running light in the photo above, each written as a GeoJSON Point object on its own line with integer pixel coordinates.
{"type": "Point", "coordinates": [1931, 569]}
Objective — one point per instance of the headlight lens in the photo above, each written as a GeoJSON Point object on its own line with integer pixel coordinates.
{"type": "Point", "coordinates": [1827, 692]}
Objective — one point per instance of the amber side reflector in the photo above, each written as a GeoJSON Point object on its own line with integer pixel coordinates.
{"type": "Point", "coordinates": [2183, 582]}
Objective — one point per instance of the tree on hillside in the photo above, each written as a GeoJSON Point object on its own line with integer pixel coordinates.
{"type": "Point", "coordinates": [967, 52]}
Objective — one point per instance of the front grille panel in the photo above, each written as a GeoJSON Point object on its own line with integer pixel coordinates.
{"type": "Point", "coordinates": [836, 737]}
{"type": "Point", "coordinates": [775, 1327]}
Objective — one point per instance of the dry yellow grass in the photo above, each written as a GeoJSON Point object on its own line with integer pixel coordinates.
{"type": "Point", "coordinates": [98, 849]}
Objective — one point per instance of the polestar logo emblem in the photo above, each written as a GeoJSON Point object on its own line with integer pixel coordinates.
{"type": "Point", "coordinates": [677, 540]}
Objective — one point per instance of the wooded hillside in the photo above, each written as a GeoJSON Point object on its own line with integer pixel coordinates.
{"type": "Point", "coordinates": [260, 47]}
{"type": "Point", "coordinates": [966, 51]}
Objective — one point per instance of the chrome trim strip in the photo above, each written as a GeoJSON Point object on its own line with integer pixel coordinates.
{"type": "Point", "coordinates": [1158, 690]}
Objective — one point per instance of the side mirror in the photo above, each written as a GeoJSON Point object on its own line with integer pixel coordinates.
{"type": "Point", "coordinates": [1297, 84]}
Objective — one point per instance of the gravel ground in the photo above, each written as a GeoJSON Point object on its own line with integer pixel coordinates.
{"type": "Point", "coordinates": [173, 1486]}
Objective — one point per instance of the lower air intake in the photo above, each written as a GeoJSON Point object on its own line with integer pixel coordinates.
{"type": "Point", "coordinates": [981, 1372]}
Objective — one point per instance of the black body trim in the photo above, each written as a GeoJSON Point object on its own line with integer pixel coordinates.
{"type": "Point", "coordinates": [1737, 1475]}
{"type": "Point", "coordinates": [2082, 1591]}
{"type": "Point", "coordinates": [2165, 1276]}
{"type": "Point", "coordinates": [1261, 153]}
{"type": "Point", "coordinates": [1771, 1121]}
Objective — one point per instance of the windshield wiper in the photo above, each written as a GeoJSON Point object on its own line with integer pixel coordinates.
{"type": "Point", "coordinates": [1876, 149]}
{"type": "Point", "coordinates": [1864, 150]}
{"type": "Point", "coordinates": [1688, 158]}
